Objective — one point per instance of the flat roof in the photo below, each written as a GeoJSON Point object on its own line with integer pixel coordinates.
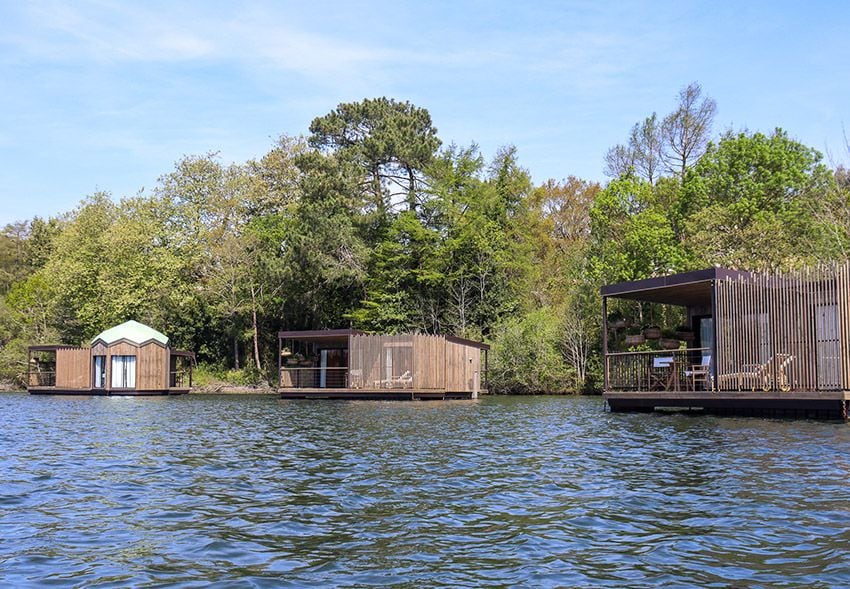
{"type": "Point", "coordinates": [339, 334]}
{"type": "Point", "coordinates": [686, 289]}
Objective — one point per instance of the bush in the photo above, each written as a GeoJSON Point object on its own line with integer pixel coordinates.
{"type": "Point", "coordinates": [527, 358]}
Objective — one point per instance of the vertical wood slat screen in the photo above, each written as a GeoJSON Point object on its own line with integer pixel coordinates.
{"type": "Point", "coordinates": [804, 314]}
{"type": "Point", "coordinates": [435, 364]}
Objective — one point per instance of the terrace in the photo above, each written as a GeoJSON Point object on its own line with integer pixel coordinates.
{"type": "Point", "coordinates": [746, 343]}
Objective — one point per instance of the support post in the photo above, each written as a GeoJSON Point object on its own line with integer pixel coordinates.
{"type": "Point", "coordinates": [605, 342]}
{"type": "Point", "coordinates": [712, 370]}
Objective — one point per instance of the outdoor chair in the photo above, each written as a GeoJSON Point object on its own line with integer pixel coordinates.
{"type": "Point", "coordinates": [700, 373]}
{"type": "Point", "coordinates": [762, 376]}
{"type": "Point", "coordinates": [355, 379]}
{"type": "Point", "coordinates": [659, 375]}
{"type": "Point", "coordinates": [782, 364]}
{"type": "Point", "coordinates": [404, 381]}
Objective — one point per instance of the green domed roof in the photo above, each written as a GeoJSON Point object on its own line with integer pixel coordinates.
{"type": "Point", "coordinates": [133, 331]}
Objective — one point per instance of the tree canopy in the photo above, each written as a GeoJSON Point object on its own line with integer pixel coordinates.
{"type": "Point", "coordinates": [369, 221]}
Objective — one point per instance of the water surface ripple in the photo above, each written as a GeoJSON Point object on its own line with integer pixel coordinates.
{"type": "Point", "coordinates": [538, 492]}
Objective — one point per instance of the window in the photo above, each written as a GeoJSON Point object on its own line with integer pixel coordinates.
{"type": "Point", "coordinates": [123, 372]}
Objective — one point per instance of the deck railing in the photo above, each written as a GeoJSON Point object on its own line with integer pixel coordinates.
{"type": "Point", "coordinates": [179, 379]}
{"type": "Point", "coordinates": [314, 378]}
{"type": "Point", "coordinates": [42, 379]}
{"type": "Point", "coordinates": [655, 370]}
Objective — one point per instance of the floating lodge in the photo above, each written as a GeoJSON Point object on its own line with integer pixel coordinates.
{"type": "Point", "coordinates": [128, 359]}
{"type": "Point", "coordinates": [763, 344]}
{"type": "Point", "coordinates": [348, 364]}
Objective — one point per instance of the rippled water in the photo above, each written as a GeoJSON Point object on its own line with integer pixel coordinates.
{"type": "Point", "coordinates": [543, 492]}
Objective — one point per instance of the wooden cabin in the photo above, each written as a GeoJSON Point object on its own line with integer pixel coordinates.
{"type": "Point", "coordinates": [761, 344]}
{"type": "Point", "coordinates": [348, 364]}
{"type": "Point", "coordinates": [128, 359]}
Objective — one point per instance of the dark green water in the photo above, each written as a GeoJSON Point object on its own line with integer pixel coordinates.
{"type": "Point", "coordinates": [539, 492]}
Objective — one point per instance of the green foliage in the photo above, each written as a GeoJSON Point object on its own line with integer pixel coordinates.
{"type": "Point", "coordinates": [367, 222]}
{"type": "Point", "coordinates": [526, 355]}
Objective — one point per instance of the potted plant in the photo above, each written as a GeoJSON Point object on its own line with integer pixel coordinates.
{"type": "Point", "coordinates": [652, 332]}
{"type": "Point", "coordinates": [668, 340]}
{"type": "Point", "coordinates": [616, 320]}
{"type": "Point", "coordinates": [634, 337]}
{"type": "Point", "coordinates": [684, 333]}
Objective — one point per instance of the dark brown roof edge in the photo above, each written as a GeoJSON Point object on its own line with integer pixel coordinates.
{"type": "Point", "coordinates": [318, 333]}
{"type": "Point", "coordinates": [467, 342]}
{"type": "Point", "coordinates": [53, 347]}
{"type": "Point", "coordinates": [622, 288]}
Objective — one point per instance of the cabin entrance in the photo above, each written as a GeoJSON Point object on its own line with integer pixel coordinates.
{"type": "Point", "coordinates": [99, 372]}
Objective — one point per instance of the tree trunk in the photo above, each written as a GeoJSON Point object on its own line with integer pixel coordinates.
{"type": "Point", "coordinates": [236, 352]}
{"type": "Point", "coordinates": [256, 329]}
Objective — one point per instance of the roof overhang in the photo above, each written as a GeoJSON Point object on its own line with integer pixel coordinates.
{"type": "Point", "coordinates": [687, 289]}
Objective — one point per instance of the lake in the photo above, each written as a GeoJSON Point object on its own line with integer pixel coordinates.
{"type": "Point", "coordinates": [253, 491]}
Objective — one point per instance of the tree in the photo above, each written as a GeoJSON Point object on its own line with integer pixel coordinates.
{"type": "Point", "coordinates": [686, 131]}
{"type": "Point", "coordinates": [392, 142]}
{"type": "Point", "coordinates": [751, 201]}
{"type": "Point", "coordinates": [643, 153]}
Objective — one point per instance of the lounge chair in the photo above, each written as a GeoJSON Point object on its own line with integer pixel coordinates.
{"type": "Point", "coordinates": [762, 375]}
{"type": "Point", "coordinates": [404, 381]}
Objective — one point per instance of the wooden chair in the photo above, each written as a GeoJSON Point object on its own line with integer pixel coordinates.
{"type": "Point", "coordinates": [700, 373]}
{"type": "Point", "coordinates": [764, 375]}
{"type": "Point", "coordinates": [659, 375]}
{"type": "Point", "coordinates": [781, 364]}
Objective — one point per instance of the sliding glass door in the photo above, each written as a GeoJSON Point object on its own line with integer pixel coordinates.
{"type": "Point", "coordinates": [123, 372]}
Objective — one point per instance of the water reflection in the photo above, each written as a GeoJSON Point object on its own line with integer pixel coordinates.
{"type": "Point", "coordinates": [499, 492]}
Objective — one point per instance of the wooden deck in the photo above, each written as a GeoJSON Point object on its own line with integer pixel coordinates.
{"type": "Point", "coordinates": [104, 393]}
{"type": "Point", "coordinates": [809, 404]}
{"type": "Point", "coordinates": [376, 394]}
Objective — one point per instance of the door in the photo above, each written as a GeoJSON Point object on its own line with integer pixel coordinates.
{"type": "Point", "coordinates": [123, 372]}
{"type": "Point", "coordinates": [99, 376]}
{"type": "Point", "coordinates": [826, 319]}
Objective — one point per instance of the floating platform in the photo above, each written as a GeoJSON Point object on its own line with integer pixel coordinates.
{"type": "Point", "coordinates": [375, 394]}
{"type": "Point", "coordinates": [806, 404]}
{"type": "Point", "coordinates": [105, 393]}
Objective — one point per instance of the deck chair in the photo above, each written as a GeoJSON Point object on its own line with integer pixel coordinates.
{"type": "Point", "coordinates": [781, 364]}
{"type": "Point", "coordinates": [700, 373]}
{"type": "Point", "coordinates": [355, 379]}
{"type": "Point", "coordinates": [659, 375]}
{"type": "Point", "coordinates": [403, 381]}
{"type": "Point", "coordinates": [764, 375]}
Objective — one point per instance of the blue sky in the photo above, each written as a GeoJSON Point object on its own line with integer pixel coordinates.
{"type": "Point", "coordinates": [102, 95]}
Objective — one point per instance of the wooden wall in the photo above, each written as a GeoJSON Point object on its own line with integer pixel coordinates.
{"type": "Point", "coordinates": [805, 314]}
{"type": "Point", "coordinates": [463, 367]}
{"type": "Point", "coordinates": [152, 366]}
{"type": "Point", "coordinates": [73, 368]}
{"type": "Point", "coordinates": [429, 362]}
{"type": "Point", "coordinates": [434, 362]}
{"type": "Point", "coordinates": [381, 357]}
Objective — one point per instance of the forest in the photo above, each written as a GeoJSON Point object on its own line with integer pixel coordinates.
{"type": "Point", "coordinates": [370, 221]}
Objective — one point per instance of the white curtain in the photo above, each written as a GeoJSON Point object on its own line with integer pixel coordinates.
{"type": "Point", "coordinates": [123, 372]}
{"type": "Point", "coordinates": [99, 371]}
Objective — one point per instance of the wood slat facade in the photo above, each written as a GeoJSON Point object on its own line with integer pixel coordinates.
{"type": "Point", "coordinates": [383, 366]}
{"type": "Point", "coordinates": [156, 369]}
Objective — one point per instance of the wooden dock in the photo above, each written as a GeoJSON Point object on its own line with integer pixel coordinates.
{"type": "Point", "coordinates": [375, 394]}
{"type": "Point", "coordinates": [806, 404]}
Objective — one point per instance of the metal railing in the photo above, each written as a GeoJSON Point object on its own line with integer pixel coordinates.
{"type": "Point", "coordinates": [42, 379]}
{"type": "Point", "coordinates": [314, 378]}
{"type": "Point", "coordinates": [662, 370]}
{"type": "Point", "coordinates": [179, 379]}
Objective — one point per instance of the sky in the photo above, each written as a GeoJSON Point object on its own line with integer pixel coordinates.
{"type": "Point", "coordinates": [103, 95]}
